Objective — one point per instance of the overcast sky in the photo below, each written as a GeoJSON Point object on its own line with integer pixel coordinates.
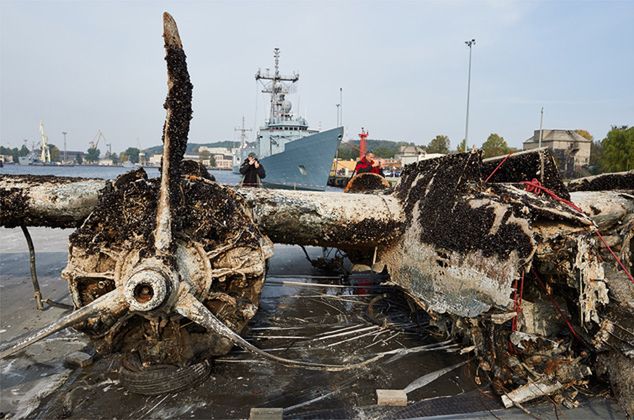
{"type": "Point", "coordinates": [81, 66]}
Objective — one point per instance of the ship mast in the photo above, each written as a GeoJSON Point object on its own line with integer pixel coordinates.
{"type": "Point", "coordinates": [243, 134]}
{"type": "Point", "coordinates": [274, 85]}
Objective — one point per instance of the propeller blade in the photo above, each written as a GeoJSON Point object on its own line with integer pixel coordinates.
{"type": "Point", "coordinates": [111, 302]}
{"type": "Point", "coordinates": [191, 308]}
{"type": "Point", "coordinates": [179, 112]}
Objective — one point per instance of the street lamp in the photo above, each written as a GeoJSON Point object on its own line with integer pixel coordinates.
{"type": "Point", "coordinates": [340, 106]}
{"type": "Point", "coordinates": [541, 128]}
{"type": "Point", "coordinates": [469, 44]}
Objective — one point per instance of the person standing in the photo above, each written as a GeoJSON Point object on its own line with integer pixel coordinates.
{"type": "Point", "coordinates": [252, 171]}
{"type": "Point", "coordinates": [368, 164]}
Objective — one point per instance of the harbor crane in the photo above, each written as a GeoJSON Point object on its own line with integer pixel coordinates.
{"type": "Point", "coordinates": [45, 152]}
{"type": "Point", "coordinates": [95, 142]}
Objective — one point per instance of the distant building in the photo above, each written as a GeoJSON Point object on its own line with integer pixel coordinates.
{"type": "Point", "coordinates": [412, 154]}
{"type": "Point", "coordinates": [223, 156]}
{"type": "Point", "coordinates": [71, 155]}
{"type": "Point", "coordinates": [343, 167]}
{"type": "Point", "coordinates": [215, 150]}
{"type": "Point", "coordinates": [155, 160]}
{"type": "Point", "coordinates": [223, 161]}
{"type": "Point", "coordinates": [390, 163]}
{"type": "Point", "coordinates": [571, 150]}
{"type": "Point", "coordinates": [411, 150]}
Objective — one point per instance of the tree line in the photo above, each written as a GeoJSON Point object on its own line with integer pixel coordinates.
{"type": "Point", "coordinates": [494, 145]}
{"type": "Point", "coordinates": [92, 155]}
{"type": "Point", "coordinates": [24, 151]}
{"type": "Point", "coordinates": [613, 153]}
{"type": "Point", "coordinates": [131, 154]}
{"type": "Point", "coordinates": [386, 149]}
{"type": "Point", "coordinates": [15, 152]}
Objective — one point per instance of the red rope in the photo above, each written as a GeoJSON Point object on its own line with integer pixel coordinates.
{"type": "Point", "coordinates": [498, 167]}
{"type": "Point", "coordinates": [618, 260]}
{"type": "Point", "coordinates": [521, 293]}
{"type": "Point", "coordinates": [536, 187]}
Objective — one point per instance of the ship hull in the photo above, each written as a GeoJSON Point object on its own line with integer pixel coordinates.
{"type": "Point", "coordinates": [305, 163]}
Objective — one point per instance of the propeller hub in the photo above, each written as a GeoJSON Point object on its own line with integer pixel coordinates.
{"type": "Point", "coordinates": [148, 288]}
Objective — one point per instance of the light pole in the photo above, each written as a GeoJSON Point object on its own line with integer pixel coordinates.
{"type": "Point", "coordinates": [470, 44]}
{"type": "Point", "coordinates": [541, 128]}
{"type": "Point", "coordinates": [341, 106]}
{"type": "Point", "coordinates": [64, 133]}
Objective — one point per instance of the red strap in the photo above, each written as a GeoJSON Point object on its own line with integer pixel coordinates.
{"type": "Point", "coordinates": [498, 167]}
{"type": "Point", "coordinates": [618, 260]}
{"type": "Point", "coordinates": [536, 187]}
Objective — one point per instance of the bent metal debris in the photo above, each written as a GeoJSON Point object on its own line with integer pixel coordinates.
{"type": "Point", "coordinates": [534, 280]}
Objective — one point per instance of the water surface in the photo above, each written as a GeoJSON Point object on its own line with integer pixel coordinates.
{"type": "Point", "coordinates": [104, 172]}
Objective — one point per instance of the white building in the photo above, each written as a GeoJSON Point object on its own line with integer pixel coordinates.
{"type": "Point", "coordinates": [223, 161]}
{"type": "Point", "coordinates": [215, 150]}
{"type": "Point", "coordinates": [413, 154]}
{"type": "Point", "coordinates": [155, 159]}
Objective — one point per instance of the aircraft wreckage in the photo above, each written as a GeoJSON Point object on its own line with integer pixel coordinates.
{"type": "Point", "coordinates": [534, 279]}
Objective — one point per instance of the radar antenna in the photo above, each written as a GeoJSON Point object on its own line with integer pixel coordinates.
{"type": "Point", "coordinates": [274, 84]}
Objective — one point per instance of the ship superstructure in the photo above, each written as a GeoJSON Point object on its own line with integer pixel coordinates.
{"type": "Point", "coordinates": [294, 155]}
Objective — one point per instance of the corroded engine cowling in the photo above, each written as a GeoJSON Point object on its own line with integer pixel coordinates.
{"type": "Point", "coordinates": [218, 251]}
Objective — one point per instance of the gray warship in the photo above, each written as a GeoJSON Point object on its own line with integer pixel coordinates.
{"type": "Point", "coordinates": [294, 156]}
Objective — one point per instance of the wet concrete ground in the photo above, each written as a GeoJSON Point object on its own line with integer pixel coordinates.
{"type": "Point", "coordinates": [336, 324]}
